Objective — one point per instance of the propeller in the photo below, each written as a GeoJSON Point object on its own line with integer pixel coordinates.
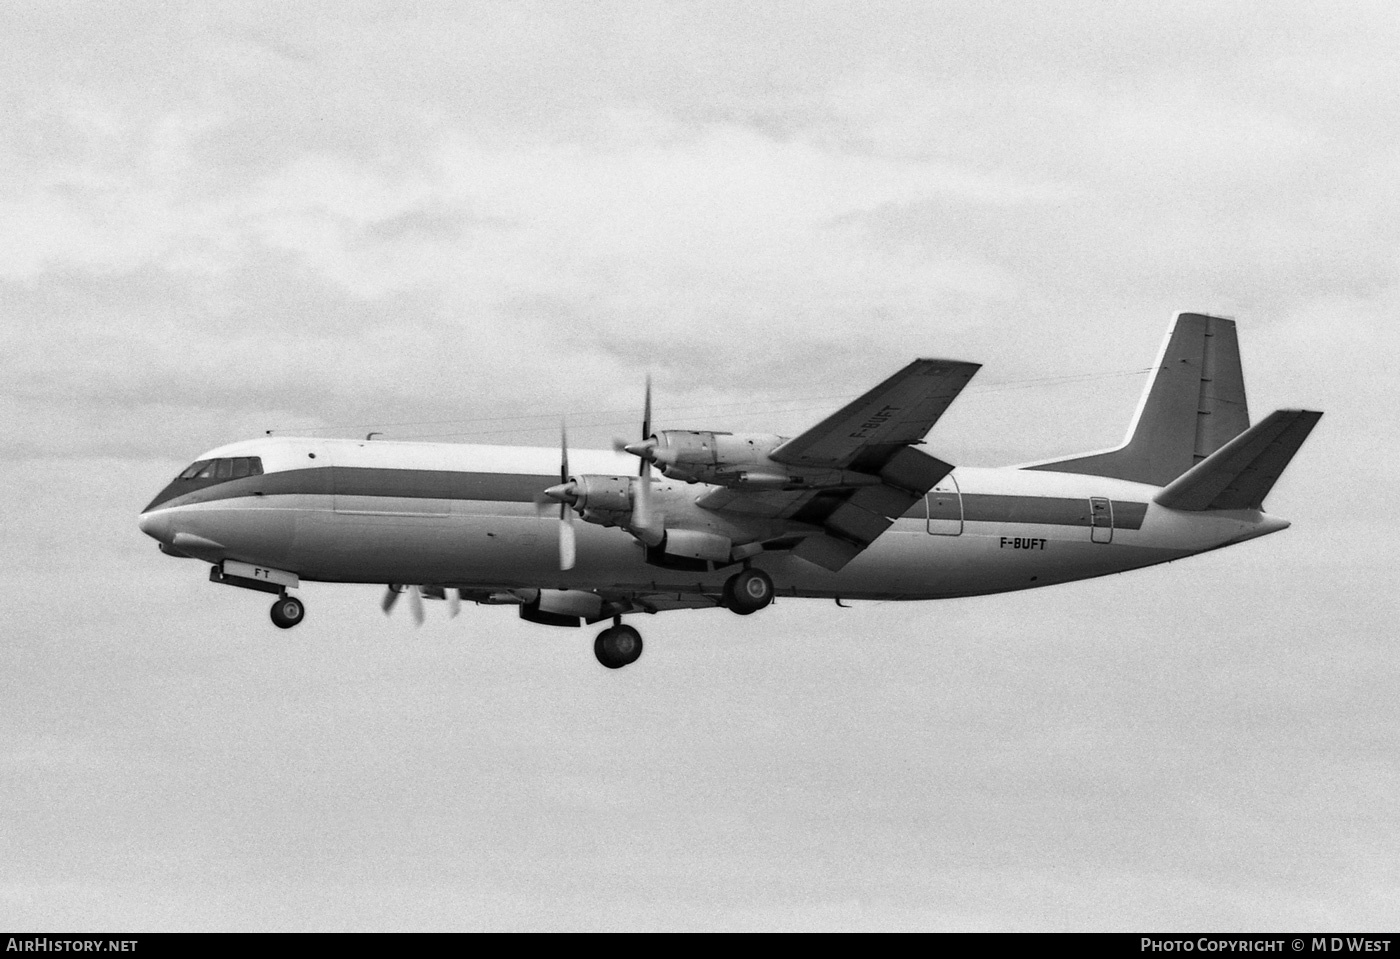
{"type": "Point", "coordinates": [416, 595]}
{"type": "Point", "coordinates": [641, 507]}
{"type": "Point", "coordinates": [415, 601]}
{"type": "Point", "coordinates": [567, 495]}
{"type": "Point", "coordinates": [642, 522]}
{"type": "Point", "coordinates": [645, 448]}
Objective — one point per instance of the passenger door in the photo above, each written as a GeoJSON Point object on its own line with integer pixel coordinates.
{"type": "Point", "coordinates": [1100, 519]}
{"type": "Point", "coordinates": [944, 505]}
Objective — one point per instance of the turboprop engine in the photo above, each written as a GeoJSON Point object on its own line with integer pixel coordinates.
{"type": "Point", "coordinates": [720, 458]}
{"type": "Point", "coordinates": [681, 539]}
{"type": "Point", "coordinates": [605, 500]}
{"type": "Point", "coordinates": [625, 501]}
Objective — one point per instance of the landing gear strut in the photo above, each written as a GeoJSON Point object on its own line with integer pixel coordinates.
{"type": "Point", "coordinates": [748, 591]}
{"type": "Point", "coordinates": [287, 611]}
{"type": "Point", "coordinates": [617, 646]}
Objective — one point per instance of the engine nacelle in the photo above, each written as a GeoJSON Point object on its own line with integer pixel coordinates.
{"type": "Point", "coordinates": [559, 607]}
{"type": "Point", "coordinates": [611, 494]}
{"type": "Point", "coordinates": [741, 461]}
{"type": "Point", "coordinates": [605, 500]}
{"type": "Point", "coordinates": [697, 544]}
{"type": "Point", "coordinates": [711, 457]}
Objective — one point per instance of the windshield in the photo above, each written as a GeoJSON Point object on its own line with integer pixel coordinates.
{"type": "Point", "coordinates": [227, 468]}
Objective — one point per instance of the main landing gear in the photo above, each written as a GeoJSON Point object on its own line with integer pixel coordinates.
{"type": "Point", "coordinates": [287, 611]}
{"type": "Point", "coordinates": [617, 646]}
{"type": "Point", "coordinates": [748, 591]}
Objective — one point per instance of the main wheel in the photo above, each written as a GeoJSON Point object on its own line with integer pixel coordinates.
{"type": "Point", "coordinates": [618, 646]}
{"type": "Point", "coordinates": [748, 591]}
{"type": "Point", "coordinates": [287, 612]}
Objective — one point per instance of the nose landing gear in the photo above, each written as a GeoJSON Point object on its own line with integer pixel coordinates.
{"type": "Point", "coordinates": [287, 611]}
{"type": "Point", "coordinates": [617, 646]}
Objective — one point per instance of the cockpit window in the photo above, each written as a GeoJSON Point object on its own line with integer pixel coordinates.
{"type": "Point", "coordinates": [234, 468]}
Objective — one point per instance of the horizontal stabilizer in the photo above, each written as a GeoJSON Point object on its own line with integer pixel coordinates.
{"type": "Point", "coordinates": [1240, 474]}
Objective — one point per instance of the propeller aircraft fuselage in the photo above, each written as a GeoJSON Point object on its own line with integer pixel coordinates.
{"type": "Point", "coordinates": [848, 510]}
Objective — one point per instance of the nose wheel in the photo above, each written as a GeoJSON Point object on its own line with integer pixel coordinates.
{"type": "Point", "coordinates": [287, 612]}
{"type": "Point", "coordinates": [618, 646]}
{"type": "Point", "coordinates": [748, 591]}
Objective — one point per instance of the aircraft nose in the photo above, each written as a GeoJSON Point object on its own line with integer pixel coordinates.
{"type": "Point", "coordinates": [156, 524]}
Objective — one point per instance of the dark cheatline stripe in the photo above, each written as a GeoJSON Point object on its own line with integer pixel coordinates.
{"type": "Point", "coordinates": [1128, 515]}
{"type": "Point", "coordinates": [441, 484]}
{"type": "Point", "coordinates": [363, 481]}
{"type": "Point", "coordinates": [1055, 511]}
{"type": "Point", "coordinates": [524, 487]}
{"type": "Point", "coordinates": [1049, 510]}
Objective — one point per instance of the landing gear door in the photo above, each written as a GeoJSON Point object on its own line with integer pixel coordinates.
{"type": "Point", "coordinates": [945, 510]}
{"type": "Point", "coordinates": [1100, 519]}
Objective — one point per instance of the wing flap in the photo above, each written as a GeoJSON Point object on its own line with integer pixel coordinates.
{"type": "Point", "coordinates": [665, 602]}
{"type": "Point", "coordinates": [827, 552]}
{"type": "Point", "coordinates": [856, 523]}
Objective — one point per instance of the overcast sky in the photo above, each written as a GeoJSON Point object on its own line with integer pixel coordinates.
{"type": "Point", "coordinates": [466, 221]}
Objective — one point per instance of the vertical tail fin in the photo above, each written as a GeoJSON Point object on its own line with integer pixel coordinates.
{"type": "Point", "coordinates": [1194, 405]}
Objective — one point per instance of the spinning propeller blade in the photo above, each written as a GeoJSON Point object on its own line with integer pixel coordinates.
{"type": "Point", "coordinates": [566, 514]}
{"type": "Point", "coordinates": [642, 520]}
{"type": "Point", "coordinates": [415, 602]}
{"type": "Point", "coordinates": [646, 422]}
{"type": "Point", "coordinates": [567, 548]}
{"type": "Point", "coordinates": [641, 503]}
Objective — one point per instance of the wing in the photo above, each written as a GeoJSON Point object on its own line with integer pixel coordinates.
{"type": "Point", "coordinates": [873, 435]}
{"type": "Point", "coordinates": [615, 600]}
{"type": "Point", "coordinates": [865, 434]}
{"type": "Point", "coordinates": [654, 602]}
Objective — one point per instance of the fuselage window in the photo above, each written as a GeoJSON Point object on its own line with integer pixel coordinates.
{"type": "Point", "coordinates": [208, 471]}
{"type": "Point", "coordinates": [240, 467]}
{"type": "Point", "coordinates": [193, 469]}
{"type": "Point", "coordinates": [225, 469]}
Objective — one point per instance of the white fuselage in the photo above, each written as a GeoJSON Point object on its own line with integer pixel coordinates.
{"type": "Point", "coordinates": [470, 517]}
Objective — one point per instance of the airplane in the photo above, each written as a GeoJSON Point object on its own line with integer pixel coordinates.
{"type": "Point", "coordinates": [849, 509]}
